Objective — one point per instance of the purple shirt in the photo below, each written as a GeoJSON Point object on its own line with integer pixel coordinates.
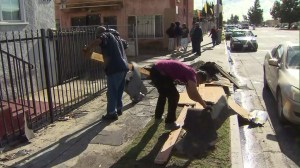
{"type": "Point", "coordinates": [176, 70]}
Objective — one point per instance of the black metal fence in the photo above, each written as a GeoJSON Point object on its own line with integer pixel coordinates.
{"type": "Point", "coordinates": [43, 76]}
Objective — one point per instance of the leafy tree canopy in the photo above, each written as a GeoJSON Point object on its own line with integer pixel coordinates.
{"type": "Point", "coordinates": [287, 11]}
{"type": "Point", "coordinates": [233, 19]}
{"type": "Point", "coordinates": [255, 13]}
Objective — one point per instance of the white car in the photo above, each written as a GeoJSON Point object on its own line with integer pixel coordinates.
{"type": "Point", "coordinates": [243, 39]}
{"type": "Point", "coordinates": [281, 76]}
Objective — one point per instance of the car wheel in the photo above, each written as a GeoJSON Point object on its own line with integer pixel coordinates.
{"type": "Point", "coordinates": [266, 86]}
{"type": "Point", "coordinates": [281, 117]}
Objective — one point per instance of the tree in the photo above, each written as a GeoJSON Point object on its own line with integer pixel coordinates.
{"type": "Point", "coordinates": [287, 11]}
{"type": "Point", "coordinates": [233, 19]}
{"type": "Point", "coordinates": [207, 11]}
{"type": "Point", "coordinates": [236, 19]}
{"type": "Point", "coordinates": [221, 16]}
{"type": "Point", "coordinates": [255, 13]}
{"type": "Point", "coordinates": [195, 17]}
{"type": "Point", "coordinates": [230, 21]}
{"type": "Point", "coordinates": [245, 17]}
{"type": "Point", "coordinates": [275, 10]}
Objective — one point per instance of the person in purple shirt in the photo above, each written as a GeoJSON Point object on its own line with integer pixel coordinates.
{"type": "Point", "coordinates": [164, 75]}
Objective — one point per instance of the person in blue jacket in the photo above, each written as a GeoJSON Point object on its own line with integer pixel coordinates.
{"type": "Point", "coordinates": [115, 67]}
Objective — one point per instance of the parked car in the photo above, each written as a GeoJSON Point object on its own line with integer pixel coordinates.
{"type": "Point", "coordinates": [243, 39]}
{"type": "Point", "coordinates": [294, 27]}
{"type": "Point", "coordinates": [281, 77]}
{"type": "Point", "coordinates": [228, 31]}
{"type": "Point", "coordinates": [244, 26]}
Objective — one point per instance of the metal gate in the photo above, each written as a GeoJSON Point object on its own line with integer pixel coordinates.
{"type": "Point", "coordinates": [44, 75]}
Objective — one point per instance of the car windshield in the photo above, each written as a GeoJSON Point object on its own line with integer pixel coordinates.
{"type": "Point", "coordinates": [242, 33]}
{"type": "Point", "coordinates": [230, 28]}
{"type": "Point", "coordinates": [293, 57]}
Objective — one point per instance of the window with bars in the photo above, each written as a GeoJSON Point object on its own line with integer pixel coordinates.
{"type": "Point", "coordinates": [89, 20]}
{"type": "Point", "coordinates": [150, 26]}
{"type": "Point", "coordinates": [110, 21]}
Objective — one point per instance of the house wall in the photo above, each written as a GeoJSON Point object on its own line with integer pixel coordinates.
{"type": "Point", "coordinates": [39, 14]}
{"type": "Point", "coordinates": [166, 8]}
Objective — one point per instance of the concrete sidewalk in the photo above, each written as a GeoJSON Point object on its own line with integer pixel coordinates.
{"type": "Point", "coordinates": [85, 141]}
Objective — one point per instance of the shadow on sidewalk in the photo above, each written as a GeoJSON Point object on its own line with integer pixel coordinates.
{"type": "Point", "coordinates": [130, 158]}
{"type": "Point", "coordinates": [64, 149]}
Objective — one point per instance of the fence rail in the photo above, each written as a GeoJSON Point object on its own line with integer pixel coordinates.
{"type": "Point", "coordinates": [44, 75]}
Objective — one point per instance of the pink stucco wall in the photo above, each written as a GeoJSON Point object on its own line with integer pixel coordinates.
{"type": "Point", "coordinates": [131, 8]}
{"type": "Point", "coordinates": [166, 8]}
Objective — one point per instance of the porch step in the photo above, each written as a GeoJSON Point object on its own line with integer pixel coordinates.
{"type": "Point", "coordinates": [11, 119]}
{"type": "Point", "coordinates": [12, 115]}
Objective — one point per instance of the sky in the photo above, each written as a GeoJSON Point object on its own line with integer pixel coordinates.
{"type": "Point", "coordinates": [239, 7]}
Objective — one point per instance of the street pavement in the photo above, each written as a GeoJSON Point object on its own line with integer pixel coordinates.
{"type": "Point", "coordinates": [83, 140]}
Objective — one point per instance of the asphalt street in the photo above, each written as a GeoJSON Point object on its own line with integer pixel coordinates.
{"type": "Point", "coordinates": [260, 143]}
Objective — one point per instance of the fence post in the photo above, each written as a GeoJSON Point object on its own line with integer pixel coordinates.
{"type": "Point", "coordinates": [47, 76]}
{"type": "Point", "coordinates": [135, 28]}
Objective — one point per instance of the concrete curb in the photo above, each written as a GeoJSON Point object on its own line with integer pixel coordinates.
{"type": "Point", "coordinates": [235, 144]}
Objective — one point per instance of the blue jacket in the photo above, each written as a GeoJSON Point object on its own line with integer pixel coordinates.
{"type": "Point", "coordinates": [114, 55]}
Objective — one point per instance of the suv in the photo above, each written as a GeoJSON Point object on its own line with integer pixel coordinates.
{"type": "Point", "coordinates": [245, 26]}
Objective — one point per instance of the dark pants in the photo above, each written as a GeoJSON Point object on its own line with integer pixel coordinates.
{"type": "Point", "coordinates": [167, 90]}
{"type": "Point", "coordinates": [214, 41]}
{"type": "Point", "coordinates": [196, 45]}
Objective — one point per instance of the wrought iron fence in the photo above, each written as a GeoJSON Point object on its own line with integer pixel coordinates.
{"type": "Point", "coordinates": [44, 75]}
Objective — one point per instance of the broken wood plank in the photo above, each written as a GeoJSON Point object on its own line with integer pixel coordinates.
{"type": "Point", "coordinates": [163, 156]}
{"type": "Point", "coordinates": [227, 75]}
{"type": "Point", "coordinates": [217, 84]}
{"type": "Point", "coordinates": [99, 57]}
{"type": "Point", "coordinates": [208, 93]}
{"type": "Point", "coordinates": [212, 93]}
{"type": "Point", "coordinates": [185, 100]}
{"type": "Point", "coordinates": [238, 109]}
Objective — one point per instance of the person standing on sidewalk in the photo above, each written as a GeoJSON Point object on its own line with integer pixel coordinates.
{"type": "Point", "coordinates": [197, 38]}
{"type": "Point", "coordinates": [115, 67]}
{"type": "Point", "coordinates": [184, 37]}
{"type": "Point", "coordinates": [178, 34]}
{"type": "Point", "coordinates": [191, 35]}
{"type": "Point", "coordinates": [214, 36]}
{"type": "Point", "coordinates": [164, 74]}
{"type": "Point", "coordinates": [171, 34]}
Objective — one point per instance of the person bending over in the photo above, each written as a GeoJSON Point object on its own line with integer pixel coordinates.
{"type": "Point", "coordinates": [164, 75]}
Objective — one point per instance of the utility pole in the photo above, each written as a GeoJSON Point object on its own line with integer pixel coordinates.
{"type": "Point", "coordinates": [217, 15]}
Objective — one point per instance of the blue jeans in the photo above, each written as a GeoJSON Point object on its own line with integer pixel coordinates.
{"type": "Point", "coordinates": [115, 88]}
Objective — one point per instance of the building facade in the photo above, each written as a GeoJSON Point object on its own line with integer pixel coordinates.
{"type": "Point", "coordinates": [18, 15]}
{"type": "Point", "coordinates": [150, 19]}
